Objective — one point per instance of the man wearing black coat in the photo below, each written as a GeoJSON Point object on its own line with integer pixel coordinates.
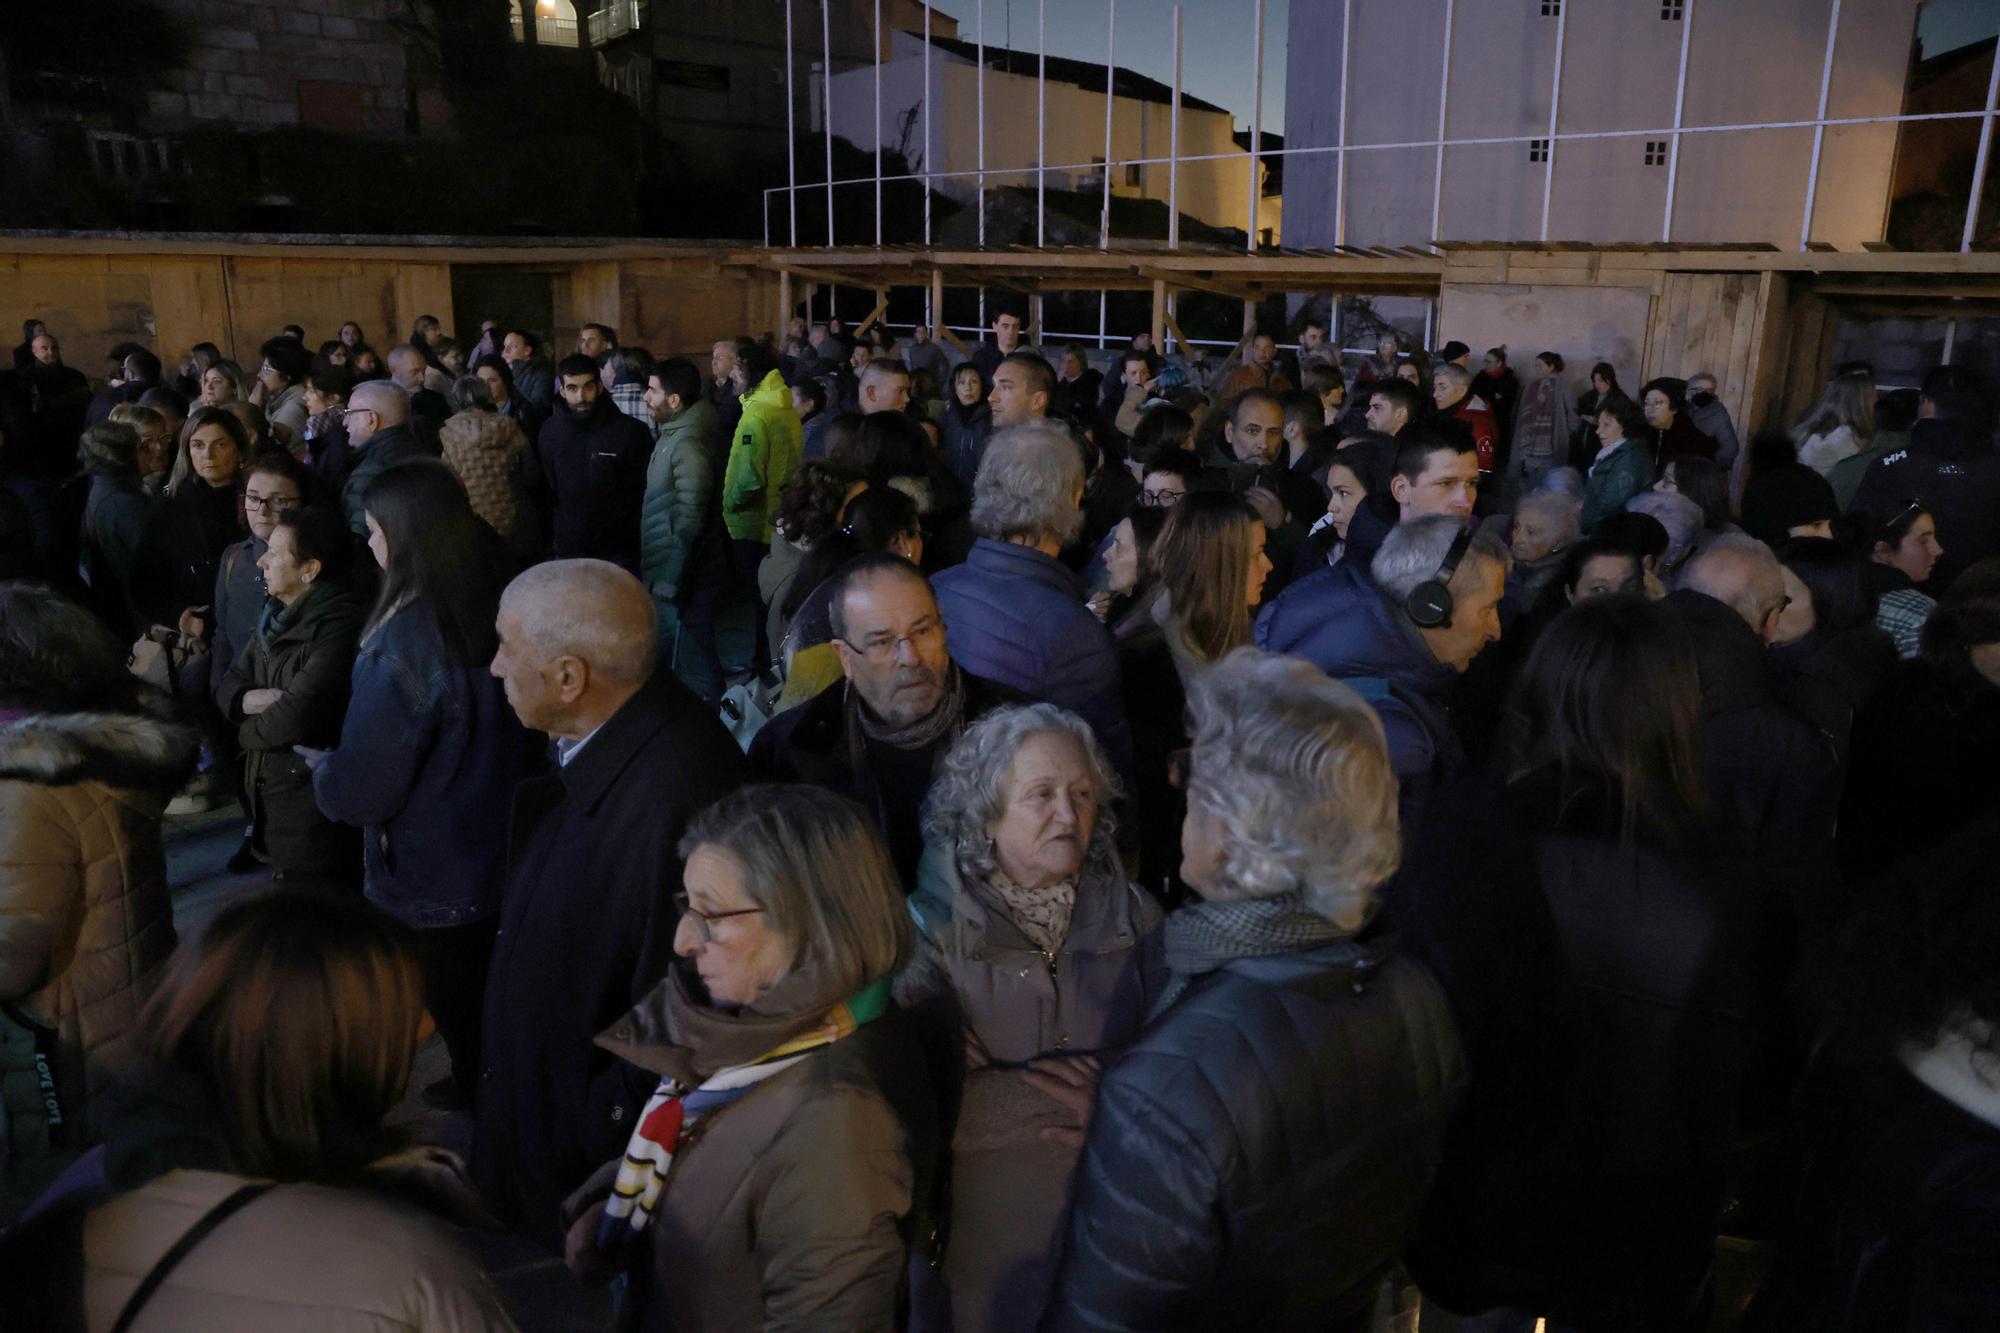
{"type": "Point", "coordinates": [878, 735]}
{"type": "Point", "coordinates": [588, 918]}
{"type": "Point", "coordinates": [594, 457]}
{"type": "Point", "coordinates": [1951, 464]}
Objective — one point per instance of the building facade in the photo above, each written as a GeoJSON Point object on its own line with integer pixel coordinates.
{"type": "Point", "coordinates": [1735, 76]}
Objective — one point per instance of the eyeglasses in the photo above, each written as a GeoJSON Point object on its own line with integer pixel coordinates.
{"type": "Point", "coordinates": [882, 649]}
{"type": "Point", "coordinates": [704, 922]}
{"type": "Point", "coordinates": [269, 503]}
{"type": "Point", "coordinates": [1161, 499]}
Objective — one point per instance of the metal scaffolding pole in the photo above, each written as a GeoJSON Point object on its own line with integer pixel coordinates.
{"type": "Point", "coordinates": [826, 112]}
{"type": "Point", "coordinates": [1444, 94]}
{"type": "Point", "coordinates": [980, 78]}
{"type": "Point", "coordinates": [791, 130]}
{"type": "Point", "coordinates": [1555, 108]}
{"type": "Point", "coordinates": [1174, 145]}
{"type": "Point", "coordinates": [1257, 129]}
{"type": "Point", "coordinates": [1819, 126]}
{"type": "Point", "coordinates": [1041, 117]}
{"type": "Point", "coordinates": [1340, 160]}
{"type": "Point", "coordinates": [878, 124]}
{"type": "Point", "coordinates": [1979, 163]}
{"type": "Point", "coordinates": [1110, 73]}
{"type": "Point", "coordinates": [1674, 143]}
{"type": "Point", "coordinates": [932, 314]}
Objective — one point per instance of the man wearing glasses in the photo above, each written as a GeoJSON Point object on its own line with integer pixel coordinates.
{"type": "Point", "coordinates": [379, 437]}
{"type": "Point", "coordinates": [876, 735]}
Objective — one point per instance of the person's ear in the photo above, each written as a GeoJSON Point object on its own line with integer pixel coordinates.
{"type": "Point", "coordinates": [572, 678]}
{"type": "Point", "coordinates": [1881, 553]}
{"type": "Point", "coordinates": [1399, 487]}
{"type": "Point", "coordinates": [309, 571]}
{"type": "Point", "coordinates": [848, 658]}
{"type": "Point", "coordinates": [1043, 403]}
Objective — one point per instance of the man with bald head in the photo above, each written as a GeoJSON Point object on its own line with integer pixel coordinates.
{"type": "Point", "coordinates": [587, 921]}
{"type": "Point", "coordinates": [1771, 776]}
{"type": "Point", "coordinates": [428, 408]}
{"type": "Point", "coordinates": [378, 438]}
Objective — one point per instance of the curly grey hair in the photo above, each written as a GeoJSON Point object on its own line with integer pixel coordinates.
{"type": "Point", "coordinates": [1415, 549]}
{"type": "Point", "coordinates": [1028, 484]}
{"type": "Point", "coordinates": [969, 792]}
{"type": "Point", "coordinates": [1294, 765]}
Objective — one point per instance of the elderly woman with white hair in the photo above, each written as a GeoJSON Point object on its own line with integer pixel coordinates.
{"type": "Point", "coordinates": [1545, 523]}
{"type": "Point", "coordinates": [1016, 614]}
{"type": "Point", "coordinates": [1040, 958]}
{"type": "Point", "coordinates": [1258, 1158]}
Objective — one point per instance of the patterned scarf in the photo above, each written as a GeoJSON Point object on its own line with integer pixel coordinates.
{"type": "Point", "coordinates": [1202, 936]}
{"type": "Point", "coordinates": [1042, 914]}
{"type": "Point", "coordinates": [672, 1111]}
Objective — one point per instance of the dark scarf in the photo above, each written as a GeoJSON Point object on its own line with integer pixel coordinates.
{"type": "Point", "coordinates": [1203, 936]}
{"type": "Point", "coordinates": [942, 723]}
{"type": "Point", "coordinates": [277, 617]}
{"type": "Point", "coordinates": [679, 1035]}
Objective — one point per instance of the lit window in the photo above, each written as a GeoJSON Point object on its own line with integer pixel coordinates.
{"type": "Point", "coordinates": [1673, 11]}
{"type": "Point", "coordinates": [1656, 152]}
{"type": "Point", "coordinates": [1551, 8]}
{"type": "Point", "coordinates": [1538, 150]}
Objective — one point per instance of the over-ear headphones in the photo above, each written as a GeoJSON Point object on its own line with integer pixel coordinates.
{"type": "Point", "coordinates": [1429, 603]}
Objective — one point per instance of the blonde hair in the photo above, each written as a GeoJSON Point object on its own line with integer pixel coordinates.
{"type": "Point", "coordinates": [816, 865]}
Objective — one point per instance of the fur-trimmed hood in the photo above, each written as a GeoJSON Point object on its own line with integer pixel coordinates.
{"type": "Point", "coordinates": [123, 750]}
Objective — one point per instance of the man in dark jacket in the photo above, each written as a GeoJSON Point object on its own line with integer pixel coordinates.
{"type": "Point", "coordinates": [588, 919]}
{"type": "Point", "coordinates": [1358, 627]}
{"type": "Point", "coordinates": [378, 438]}
{"type": "Point", "coordinates": [878, 735]}
{"type": "Point", "coordinates": [532, 381]}
{"type": "Point", "coordinates": [1006, 341]}
{"type": "Point", "coordinates": [594, 457]}
{"type": "Point", "coordinates": [1951, 463]}
{"type": "Point", "coordinates": [1252, 462]}
{"type": "Point", "coordinates": [1016, 615]}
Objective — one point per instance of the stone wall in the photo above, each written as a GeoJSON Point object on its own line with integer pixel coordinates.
{"type": "Point", "coordinates": [334, 64]}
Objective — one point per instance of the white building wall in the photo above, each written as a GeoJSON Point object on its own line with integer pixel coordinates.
{"type": "Point", "coordinates": [1749, 61]}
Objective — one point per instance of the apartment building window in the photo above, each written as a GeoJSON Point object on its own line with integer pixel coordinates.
{"type": "Point", "coordinates": [1538, 150]}
{"type": "Point", "coordinates": [1552, 9]}
{"type": "Point", "coordinates": [1673, 11]}
{"type": "Point", "coordinates": [1656, 152]}
{"type": "Point", "coordinates": [1134, 174]}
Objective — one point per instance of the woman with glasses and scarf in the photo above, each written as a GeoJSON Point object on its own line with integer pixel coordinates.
{"type": "Point", "coordinates": [1257, 1157]}
{"type": "Point", "coordinates": [1037, 959]}
{"type": "Point", "coordinates": [777, 1175]}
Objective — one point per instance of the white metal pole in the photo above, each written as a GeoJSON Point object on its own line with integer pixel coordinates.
{"type": "Point", "coordinates": [1110, 74]}
{"type": "Point", "coordinates": [826, 115]}
{"type": "Point", "coordinates": [1340, 160]}
{"type": "Point", "coordinates": [1174, 145]}
{"type": "Point", "coordinates": [1950, 341]}
{"type": "Point", "coordinates": [1257, 129]}
{"type": "Point", "coordinates": [878, 124]}
{"type": "Point", "coordinates": [1444, 94]}
{"type": "Point", "coordinates": [1819, 126]}
{"type": "Point", "coordinates": [1979, 163]}
{"type": "Point", "coordinates": [1555, 107]}
{"type": "Point", "coordinates": [928, 54]}
{"type": "Point", "coordinates": [1041, 117]}
{"type": "Point", "coordinates": [981, 78]}
{"type": "Point", "coordinates": [1674, 143]}
{"type": "Point", "coordinates": [791, 129]}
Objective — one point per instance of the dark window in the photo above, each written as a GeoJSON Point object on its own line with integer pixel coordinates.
{"type": "Point", "coordinates": [691, 74]}
{"type": "Point", "coordinates": [1656, 152]}
{"type": "Point", "coordinates": [1673, 11]}
{"type": "Point", "coordinates": [1538, 150]}
{"type": "Point", "coordinates": [331, 106]}
{"type": "Point", "coordinates": [1134, 175]}
{"type": "Point", "coordinates": [1551, 8]}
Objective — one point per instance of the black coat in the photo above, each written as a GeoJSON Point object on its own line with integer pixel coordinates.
{"type": "Point", "coordinates": [1956, 472]}
{"type": "Point", "coordinates": [1257, 1158]}
{"type": "Point", "coordinates": [586, 931]}
{"type": "Point", "coordinates": [596, 468]}
{"type": "Point", "coordinates": [180, 551]}
{"type": "Point", "coordinates": [810, 744]}
{"type": "Point", "coordinates": [1601, 989]}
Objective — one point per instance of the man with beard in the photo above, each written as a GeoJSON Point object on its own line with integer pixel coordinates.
{"type": "Point", "coordinates": [594, 457]}
{"type": "Point", "coordinates": [877, 735]}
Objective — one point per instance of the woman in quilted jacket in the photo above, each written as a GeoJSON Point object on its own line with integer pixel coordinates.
{"type": "Point", "coordinates": [488, 451]}
{"type": "Point", "coordinates": [85, 772]}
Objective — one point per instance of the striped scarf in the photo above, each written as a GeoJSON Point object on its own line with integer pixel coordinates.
{"type": "Point", "coordinates": [673, 1110]}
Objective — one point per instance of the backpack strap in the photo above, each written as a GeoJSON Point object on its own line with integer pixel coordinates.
{"type": "Point", "coordinates": [194, 1236]}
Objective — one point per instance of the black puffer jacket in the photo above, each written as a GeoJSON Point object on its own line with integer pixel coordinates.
{"type": "Point", "coordinates": [1259, 1156]}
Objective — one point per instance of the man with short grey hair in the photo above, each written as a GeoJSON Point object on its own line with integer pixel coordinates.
{"type": "Point", "coordinates": [588, 918]}
{"type": "Point", "coordinates": [378, 438]}
{"type": "Point", "coordinates": [1402, 632]}
{"type": "Point", "coordinates": [407, 367]}
{"type": "Point", "coordinates": [1016, 613]}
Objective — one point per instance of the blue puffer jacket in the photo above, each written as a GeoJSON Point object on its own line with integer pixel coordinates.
{"type": "Point", "coordinates": [428, 761]}
{"type": "Point", "coordinates": [1260, 1156]}
{"type": "Point", "coordinates": [1337, 620]}
{"type": "Point", "coordinates": [1017, 617]}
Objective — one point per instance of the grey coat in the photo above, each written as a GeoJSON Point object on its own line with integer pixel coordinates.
{"type": "Point", "coordinates": [679, 477]}
{"type": "Point", "coordinates": [1009, 1187]}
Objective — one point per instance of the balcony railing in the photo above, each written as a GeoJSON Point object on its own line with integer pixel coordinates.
{"type": "Point", "coordinates": [619, 19]}
{"type": "Point", "coordinates": [548, 31]}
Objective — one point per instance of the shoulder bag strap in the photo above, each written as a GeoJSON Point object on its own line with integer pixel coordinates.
{"type": "Point", "coordinates": [194, 1236]}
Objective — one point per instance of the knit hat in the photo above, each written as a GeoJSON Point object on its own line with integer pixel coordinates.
{"type": "Point", "coordinates": [1452, 350]}
{"type": "Point", "coordinates": [1778, 499]}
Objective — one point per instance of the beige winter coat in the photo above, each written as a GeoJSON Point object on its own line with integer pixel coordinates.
{"type": "Point", "coordinates": [490, 455]}
{"type": "Point", "coordinates": [85, 923]}
{"type": "Point", "coordinates": [301, 1258]}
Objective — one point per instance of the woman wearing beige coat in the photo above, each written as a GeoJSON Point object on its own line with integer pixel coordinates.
{"type": "Point", "coordinates": [84, 919]}
{"type": "Point", "coordinates": [1039, 957]}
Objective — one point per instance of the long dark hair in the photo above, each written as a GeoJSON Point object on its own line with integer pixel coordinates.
{"type": "Point", "coordinates": [440, 553]}
{"type": "Point", "coordinates": [1609, 708]}
{"type": "Point", "coordinates": [873, 519]}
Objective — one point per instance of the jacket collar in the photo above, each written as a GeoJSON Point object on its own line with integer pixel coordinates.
{"type": "Point", "coordinates": [1022, 562]}
{"type": "Point", "coordinates": [1734, 664]}
{"type": "Point", "coordinates": [621, 736]}
{"type": "Point", "coordinates": [388, 436]}
{"type": "Point", "coordinates": [943, 902]}
{"type": "Point", "coordinates": [696, 421]}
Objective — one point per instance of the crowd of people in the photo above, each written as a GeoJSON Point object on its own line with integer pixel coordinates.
{"type": "Point", "coordinates": [897, 835]}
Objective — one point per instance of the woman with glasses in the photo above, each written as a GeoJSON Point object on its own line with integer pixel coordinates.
{"type": "Point", "coordinates": [777, 1176]}
{"type": "Point", "coordinates": [1036, 958]}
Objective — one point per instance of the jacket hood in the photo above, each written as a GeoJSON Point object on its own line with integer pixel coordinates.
{"type": "Point", "coordinates": [697, 420]}
{"type": "Point", "coordinates": [123, 750]}
{"type": "Point", "coordinates": [101, 462]}
{"type": "Point", "coordinates": [770, 392]}
{"type": "Point", "coordinates": [482, 429]}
